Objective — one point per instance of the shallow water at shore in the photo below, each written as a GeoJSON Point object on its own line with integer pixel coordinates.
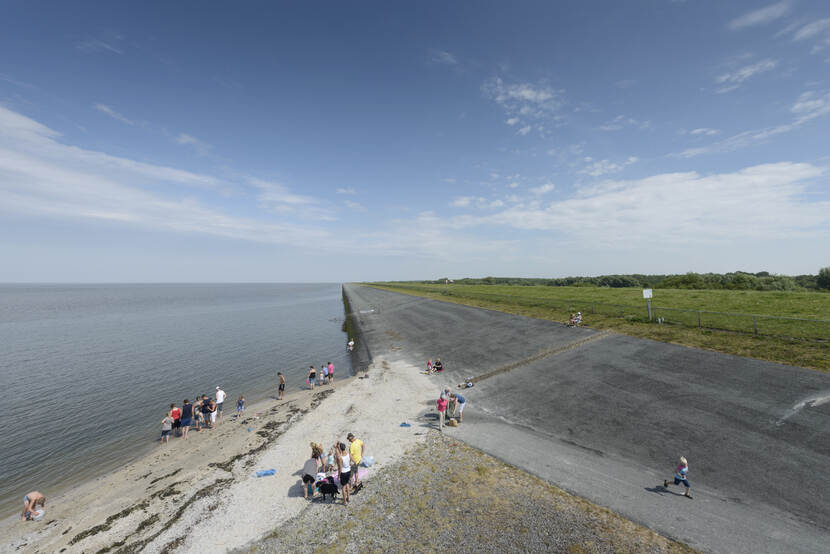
{"type": "Point", "coordinates": [90, 370]}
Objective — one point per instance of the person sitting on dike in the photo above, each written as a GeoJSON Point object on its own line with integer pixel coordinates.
{"type": "Point", "coordinates": [437, 367]}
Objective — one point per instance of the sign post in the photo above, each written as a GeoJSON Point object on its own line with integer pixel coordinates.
{"type": "Point", "coordinates": [647, 294]}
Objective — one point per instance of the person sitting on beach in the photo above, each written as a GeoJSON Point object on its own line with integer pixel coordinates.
{"type": "Point", "coordinates": [176, 415]}
{"type": "Point", "coordinates": [187, 417]}
{"type": "Point", "coordinates": [429, 365]}
{"type": "Point", "coordinates": [166, 429]}
{"type": "Point", "coordinates": [312, 377]}
{"type": "Point", "coordinates": [240, 405]}
{"type": "Point", "coordinates": [437, 367]}
{"type": "Point", "coordinates": [30, 503]}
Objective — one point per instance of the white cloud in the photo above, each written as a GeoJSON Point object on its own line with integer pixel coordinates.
{"type": "Point", "coordinates": [462, 201]}
{"type": "Point", "coordinates": [42, 177]}
{"type": "Point", "coordinates": [444, 57]}
{"type": "Point", "coordinates": [807, 107]}
{"type": "Point", "coordinates": [621, 121]}
{"type": "Point", "coordinates": [355, 206]}
{"type": "Point", "coordinates": [734, 79]}
{"type": "Point", "coordinates": [524, 99]}
{"type": "Point", "coordinates": [512, 121]}
{"type": "Point", "coordinates": [543, 189]}
{"type": "Point", "coordinates": [95, 45]}
{"type": "Point", "coordinates": [812, 29]}
{"type": "Point", "coordinates": [604, 167]}
{"type": "Point", "coordinates": [200, 146]}
{"type": "Point", "coordinates": [346, 190]}
{"type": "Point", "coordinates": [679, 208]}
{"type": "Point", "coordinates": [704, 131]}
{"type": "Point", "coordinates": [761, 16]}
{"type": "Point", "coordinates": [524, 130]}
{"type": "Point", "coordinates": [103, 108]}
{"type": "Point", "coordinates": [512, 185]}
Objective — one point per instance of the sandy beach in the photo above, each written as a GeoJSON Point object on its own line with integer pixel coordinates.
{"type": "Point", "coordinates": [202, 494]}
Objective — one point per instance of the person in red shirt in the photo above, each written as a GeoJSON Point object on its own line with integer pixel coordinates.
{"type": "Point", "coordinates": [176, 415]}
{"type": "Point", "coordinates": [441, 405]}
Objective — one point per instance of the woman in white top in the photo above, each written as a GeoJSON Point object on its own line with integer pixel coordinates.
{"type": "Point", "coordinates": [344, 466]}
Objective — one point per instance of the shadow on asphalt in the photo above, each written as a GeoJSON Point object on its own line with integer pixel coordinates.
{"type": "Point", "coordinates": [661, 490]}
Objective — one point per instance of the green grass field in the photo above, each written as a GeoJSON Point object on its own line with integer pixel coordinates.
{"type": "Point", "coordinates": [714, 319]}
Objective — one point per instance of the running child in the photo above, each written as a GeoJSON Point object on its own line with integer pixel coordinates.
{"type": "Point", "coordinates": [680, 476]}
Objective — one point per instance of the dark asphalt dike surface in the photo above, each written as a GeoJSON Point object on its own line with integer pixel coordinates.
{"type": "Point", "coordinates": [361, 356]}
{"type": "Point", "coordinates": [756, 433]}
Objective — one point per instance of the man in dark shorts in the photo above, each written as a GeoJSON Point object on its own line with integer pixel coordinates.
{"type": "Point", "coordinates": [281, 390]}
{"type": "Point", "coordinates": [206, 411]}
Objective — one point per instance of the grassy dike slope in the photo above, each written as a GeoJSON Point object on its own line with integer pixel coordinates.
{"type": "Point", "coordinates": [539, 302]}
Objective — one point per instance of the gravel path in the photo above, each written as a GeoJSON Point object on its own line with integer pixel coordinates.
{"type": "Point", "coordinates": [445, 494]}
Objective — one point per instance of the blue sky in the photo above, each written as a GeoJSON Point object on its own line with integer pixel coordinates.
{"type": "Point", "coordinates": [259, 141]}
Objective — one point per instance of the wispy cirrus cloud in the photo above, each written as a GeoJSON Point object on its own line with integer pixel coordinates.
{"type": "Point", "coordinates": [103, 108]}
{"type": "Point", "coordinates": [807, 107]}
{"type": "Point", "coordinates": [734, 79]}
{"type": "Point", "coordinates": [93, 45]}
{"type": "Point", "coordinates": [200, 146]}
{"type": "Point", "coordinates": [621, 122]}
{"type": "Point", "coordinates": [346, 190]}
{"type": "Point", "coordinates": [42, 177]}
{"type": "Point", "coordinates": [761, 16]}
{"type": "Point", "coordinates": [704, 131]}
{"type": "Point", "coordinates": [818, 30]}
{"type": "Point", "coordinates": [598, 168]}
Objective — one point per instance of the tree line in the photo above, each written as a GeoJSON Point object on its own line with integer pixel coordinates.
{"type": "Point", "coordinates": [737, 280]}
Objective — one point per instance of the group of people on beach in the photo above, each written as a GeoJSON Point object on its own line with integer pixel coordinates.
{"type": "Point", "coordinates": [323, 472]}
{"type": "Point", "coordinates": [203, 413]}
{"type": "Point", "coordinates": [322, 377]}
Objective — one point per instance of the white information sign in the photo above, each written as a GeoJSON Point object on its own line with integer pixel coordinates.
{"type": "Point", "coordinates": [646, 293]}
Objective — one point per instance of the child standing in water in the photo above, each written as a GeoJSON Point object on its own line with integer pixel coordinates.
{"type": "Point", "coordinates": [240, 405]}
{"type": "Point", "coordinates": [680, 476]}
{"type": "Point", "coordinates": [166, 429]}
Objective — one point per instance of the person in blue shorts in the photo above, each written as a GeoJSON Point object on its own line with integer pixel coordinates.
{"type": "Point", "coordinates": [680, 476]}
{"type": "Point", "coordinates": [460, 402]}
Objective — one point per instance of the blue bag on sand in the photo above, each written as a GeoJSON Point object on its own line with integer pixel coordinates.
{"type": "Point", "coordinates": [367, 461]}
{"type": "Point", "coordinates": [264, 472]}
{"type": "Point", "coordinates": [404, 424]}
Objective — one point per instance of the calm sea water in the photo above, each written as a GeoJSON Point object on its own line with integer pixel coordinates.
{"type": "Point", "coordinates": [88, 371]}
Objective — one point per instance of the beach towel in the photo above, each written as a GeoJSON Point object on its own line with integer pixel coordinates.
{"type": "Point", "coordinates": [362, 473]}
